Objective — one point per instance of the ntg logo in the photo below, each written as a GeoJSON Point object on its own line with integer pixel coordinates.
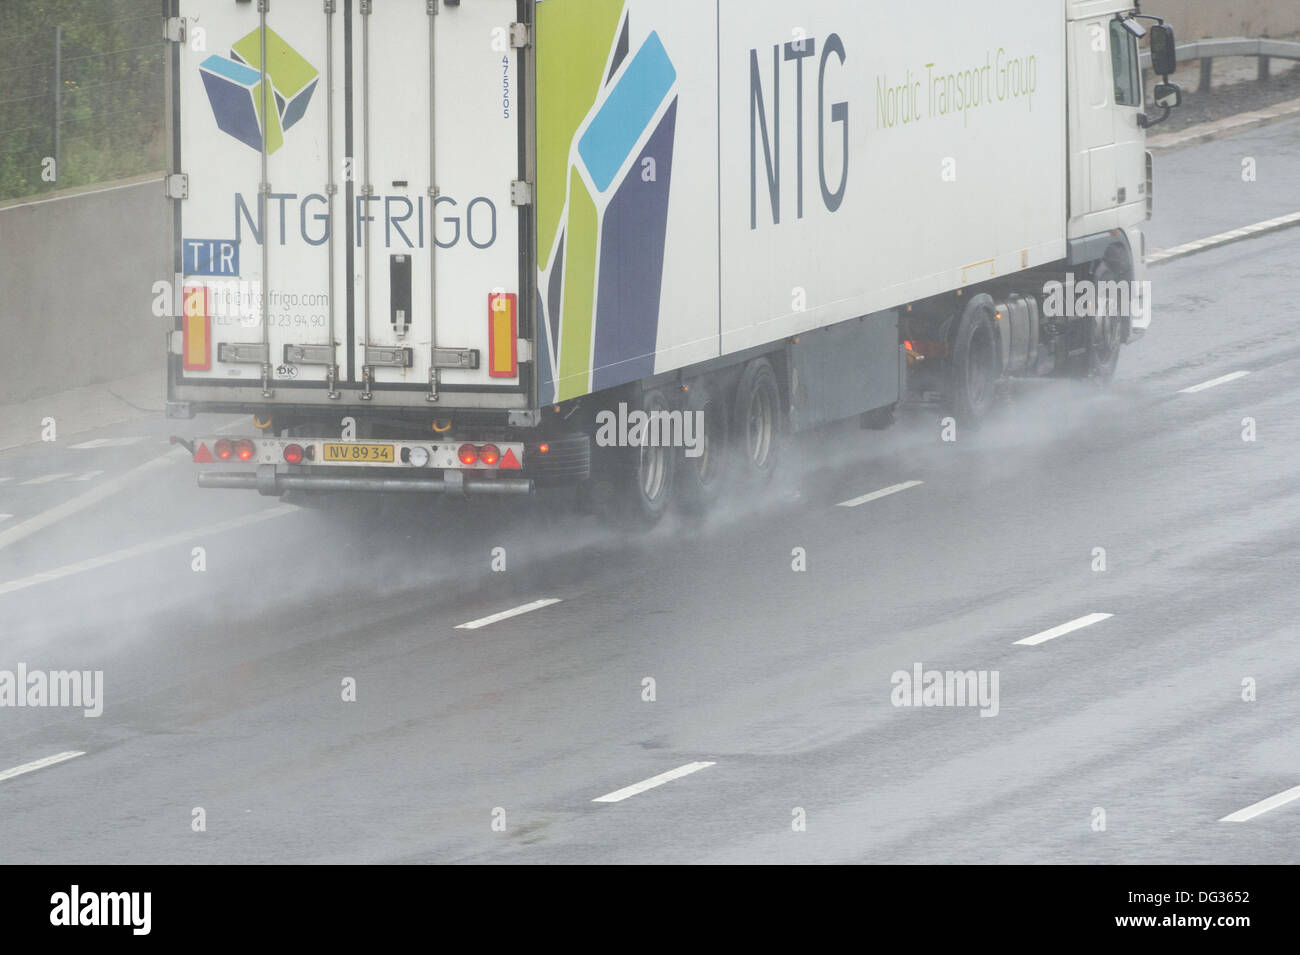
{"type": "Point", "coordinates": [234, 86]}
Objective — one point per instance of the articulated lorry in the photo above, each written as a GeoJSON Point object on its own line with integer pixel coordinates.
{"type": "Point", "coordinates": [436, 246]}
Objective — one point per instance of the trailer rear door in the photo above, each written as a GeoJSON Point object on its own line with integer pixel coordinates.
{"type": "Point", "coordinates": [349, 233]}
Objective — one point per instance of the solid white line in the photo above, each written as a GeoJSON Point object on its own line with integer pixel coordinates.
{"type": "Point", "coordinates": [1206, 385]}
{"type": "Point", "coordinates": [83, 501]}
{"type": "Point", "coordinates": [95, 443]}
{"type": "Point", "coordinates": [148, 547]}
{"type": "Point", "coordinates": [507, 614]}
{"type": "Point", "coordinates": [2, 480]}
{"type": "Point", "coordinates": [1063, 629]}
{"type": "Point", "coordinates": [1225, 238]}
{"type": "Point", "coordinates": [5, 517]}
{"type": "Point", "coordinates": [47, 478]}
{"type": "Point", "coordinates": [877, 495]}
{"type": "Point", "coordinates": [88, 476]}
{"type": "Point", "coordinates": [1272, 802]}
{"type": "Point", "coordinates": [39, 764]}
{"type": "Point", "coordinates": [620, 794]}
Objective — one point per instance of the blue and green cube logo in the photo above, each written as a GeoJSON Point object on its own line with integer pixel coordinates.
{"type": "Point", "coordinates": [234, 86]}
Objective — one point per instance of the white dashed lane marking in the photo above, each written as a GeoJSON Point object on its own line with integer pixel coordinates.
{"type": "Point", "coordinates": [1263, 806]}
{"type": "Point", "coordinates": [1207, 385]}
{"type": "Point", "coordinates": [1063, 629]}
{"type": "Point", "coordinates": [884, 492]}
{"type": "Point", "coordinates": [628, 792]}
{"type": "Point", "coordinates": [507, 614]}
{"type": "Point", "coordinates": [39, 764]}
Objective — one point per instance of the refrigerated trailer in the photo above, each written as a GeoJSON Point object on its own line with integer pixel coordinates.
{"type": "Point", "coordinates": [436, 246]}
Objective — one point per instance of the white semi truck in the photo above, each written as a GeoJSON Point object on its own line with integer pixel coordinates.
{"type": "Point", "coordinates": [434, 246]}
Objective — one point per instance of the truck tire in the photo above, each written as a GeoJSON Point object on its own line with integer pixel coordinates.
{"type": "Point", "coordinates": [758, 422]}
{"type": "Point", "coordinates": [701, 479]}
{"type": "Point", "coordinates": [633, 486]}
{"type": "Point", "coordinates": [1103, 336]}
{"type": "Point", "coordinates": [973, 369]}
{"type": "Point", "coordinates": [1102, 356]}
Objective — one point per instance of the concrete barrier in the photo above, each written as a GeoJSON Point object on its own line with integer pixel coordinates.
{"type": "Point", "coordinates": [75, 280]}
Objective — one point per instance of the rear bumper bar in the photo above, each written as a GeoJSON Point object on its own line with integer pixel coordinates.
{"type": "Point", "coordinates": [271, 483]}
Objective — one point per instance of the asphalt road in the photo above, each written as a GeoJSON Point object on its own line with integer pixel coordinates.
{"type": "Point", "coordinates": [223, 687]}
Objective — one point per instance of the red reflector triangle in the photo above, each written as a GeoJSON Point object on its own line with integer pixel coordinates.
{"type": "Point", "coordinates": [203, 455]}
{"type": "Point", "coordinates": [509, 461]}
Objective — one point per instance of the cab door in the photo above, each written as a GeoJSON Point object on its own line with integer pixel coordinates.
{"type": "Point", "coordinates": [1093, 147]}
{"type": "Point", "coordinates": [1130, 137]}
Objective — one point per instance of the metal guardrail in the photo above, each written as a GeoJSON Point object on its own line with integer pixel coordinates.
{"type": "Point", "coordinates": [1207, 50]}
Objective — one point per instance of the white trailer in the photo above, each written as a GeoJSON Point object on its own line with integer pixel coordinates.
{"type": "Point", "coordinates": [435, 246]}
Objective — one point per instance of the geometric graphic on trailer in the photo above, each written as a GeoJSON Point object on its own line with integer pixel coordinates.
{"type": "Point", "coordinates": [234, 86]}
{"type": "Point", "coordinates": [607, 120]}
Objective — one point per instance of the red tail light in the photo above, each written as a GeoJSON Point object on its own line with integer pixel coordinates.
{"type": "Point", "coordinates": [245, 449]}
{"type": "Point", "coordinates": [490, 455]}
{"type": "Point", "coordinates": [468, 455]}
{"type": "Point", "coordinates": [293, 454]}
{"type": "Point", "coordinates": [223, 449]}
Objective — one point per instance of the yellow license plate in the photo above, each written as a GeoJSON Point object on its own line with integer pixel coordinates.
{"type": "Point", "coordinates": [360, 453]}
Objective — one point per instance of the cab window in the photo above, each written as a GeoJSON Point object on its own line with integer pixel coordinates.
{"type": "Point", "coordinates": [1124, 60]}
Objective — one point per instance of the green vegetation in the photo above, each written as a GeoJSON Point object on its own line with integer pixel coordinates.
{"type": "Point", "coordinates": [111, 120]}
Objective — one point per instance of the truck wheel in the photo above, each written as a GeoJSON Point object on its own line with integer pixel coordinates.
{"type": "Point", "coordinates": [633, 486]}
{"type": "Point", "coordinates": [758, 421]}
{"type": "Point", "coordinates": [973, 369]}
{"type": "Point", "coordinates": [1103, 349]}
{"type": "Point", "coordinates": [1097, 360]}
{"type": "Point", "coordinates": [702, 478]}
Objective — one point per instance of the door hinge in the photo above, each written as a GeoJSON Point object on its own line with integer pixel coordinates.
{"type": "Point", "coordinates": [365, 8]}
{"type": "Point", "coordinates": [519, 36]}
{"type": "Point", "coordinates": [524, 349]}
{"type": "Point", "coordinates": [521, 193]}
{"type": "Point", "coordinates": [329, 6]}
{"type": "Point", "coordinates": [174, 29]}
{"type": "Point", "coordinates": [177, 185]}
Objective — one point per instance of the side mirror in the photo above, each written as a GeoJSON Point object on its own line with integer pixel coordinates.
{"type": "Point", "coordinates": [1164, 55]}
{"type": "Point", "coordinates": [1168, 95]}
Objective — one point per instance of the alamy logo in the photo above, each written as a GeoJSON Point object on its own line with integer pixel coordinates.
{"type": "Point", "coordinates": [234, 86]}
{"type": "Point", "coordinates": [925, 688]}
{"type": "Point", "coordinates": [71, 688]}
{"type": "Point", "coordinates": [651, 429]}
{"type": "Point", "coordinates": [75, 907]}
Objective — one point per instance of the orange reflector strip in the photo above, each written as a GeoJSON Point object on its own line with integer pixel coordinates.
{"type": "Point", "coordinates": [509, 462]}
{"type": "Point", "coordinates": [196, 330]}
{"type": "Point", "coordinates": [503, 335]}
